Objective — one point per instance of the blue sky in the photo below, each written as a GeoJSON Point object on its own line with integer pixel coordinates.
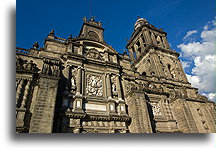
{"type": "Point", "coordinates": [36, 18]}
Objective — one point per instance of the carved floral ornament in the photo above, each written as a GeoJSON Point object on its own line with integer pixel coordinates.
{"type": "Point", "coordinates": [94, 53]}
{"type": "Point", "coordinates": [94, 85]}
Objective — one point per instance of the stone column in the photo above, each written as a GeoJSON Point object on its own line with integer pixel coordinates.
{"type": "Point", "coordinates": [131, 54]}
{"type": "Point", "coordinates": [166, 44]}
{"type": "Point", "coordinates": [148, 37]}
{"type": "Point", "coordinates": [115, 59]}
{"type": "Point", "coordinates": [80, 50]}
{"type": "Point", "coordinates": [153, 39]}
{"type": "Point", "coordinates": [83, 81]}
{"type": "Point", "coordinates": [118, 86]}
{"type": "Point", "coordinates": [78, 99]}
{"type": "Point", "coordinates": [141, 44]}
{"type": "Point", "coordinates": [109, 87]}
{"type": "Point", "coordinates": [26, 92]}
{"type": "Point", "coordinates": [19, 89]}
{"type": "Point", "coordinates": [136, 50]}
{"type": "Point", "coordinates": [79, 81]}
{"type": "Point", "coordinates": [70, 47]}
{"type": "Point", "coordinates": [106, 56]}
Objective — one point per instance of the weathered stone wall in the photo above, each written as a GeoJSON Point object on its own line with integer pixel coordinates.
{"type": "Point", "coordinates": [83, 85]}
{"type": "Point", "coordinates": [43, 113]}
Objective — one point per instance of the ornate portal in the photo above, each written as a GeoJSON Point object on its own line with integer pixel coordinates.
{"type": "Point", "coordinates": [94, 85]}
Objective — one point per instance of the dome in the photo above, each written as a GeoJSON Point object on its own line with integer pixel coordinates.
{"type": "Point", "coordinates": [140, 22]}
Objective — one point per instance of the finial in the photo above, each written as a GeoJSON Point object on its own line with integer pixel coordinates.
{"type": "Point", "coordinates": [100, 24]}
{"type": "Point", "coordinates": [52, 32]}
{"type": "Point", "coordinates": [36, 45]}
{"type": "Point", "coordinates": [125, 52]}
{"type": "Point", "coordinates": [161, 29]}
{"type": "Point", "coordinates": [92, 18]}
{"type": "Point", "coordinates": [138, 17]}
{"type": "Point", "coordinates": [70, 36]}
{"type": "Point", "coordinates": [85, 19]}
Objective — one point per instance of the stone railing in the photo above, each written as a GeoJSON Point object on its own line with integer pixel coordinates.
{"type": "Point", "coordinates": [60, 39]}
{"type": "Point", "coordinates": [22, 51]}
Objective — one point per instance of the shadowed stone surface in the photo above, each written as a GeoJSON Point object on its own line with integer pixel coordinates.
{"type": "Point", "coordinates": [83, 85]}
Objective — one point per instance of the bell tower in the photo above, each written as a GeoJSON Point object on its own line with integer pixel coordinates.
{"type": "Point", "coordinates": [92, 30]}
{"type": "Point", "coordinates": [150, 52]}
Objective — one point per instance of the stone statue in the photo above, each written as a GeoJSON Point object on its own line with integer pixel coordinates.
{"type": "Point", "coordinates": [73, 83]}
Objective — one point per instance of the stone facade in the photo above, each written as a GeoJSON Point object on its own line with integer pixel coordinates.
{"type": "Point", "coordinates": [83, 85]}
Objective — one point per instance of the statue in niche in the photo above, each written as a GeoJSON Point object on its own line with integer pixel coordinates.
{"type": "Point", "coordinates": [73, 83]}
{"type": "Point", "coordinates": [113, 81]}
{"type": "Point", "coordinates": [73, 79]}
{"type": "Point", "coordinates": [114, 90]}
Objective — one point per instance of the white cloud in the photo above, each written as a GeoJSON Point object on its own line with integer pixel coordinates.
{"type": "Point", "coordinates": [189, 33]}
{"type": "Point", "coordinates": [211, 96]}
{"type": "Point", "coordinates": [194, 80]}
{"type": "Point", "coordinates": [203, 55]}
{"type": "Point", "coordinates": [185, 64]}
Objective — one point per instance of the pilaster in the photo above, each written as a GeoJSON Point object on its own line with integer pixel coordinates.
{"type": "Point", "coordinates": [43, 113]}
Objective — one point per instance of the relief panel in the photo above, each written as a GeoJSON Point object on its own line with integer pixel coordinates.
{"type": "Point", "coordinates": [94, 85]}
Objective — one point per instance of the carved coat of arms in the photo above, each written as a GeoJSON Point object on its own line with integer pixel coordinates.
{"type": "Point", "coordinates": [94, 85]}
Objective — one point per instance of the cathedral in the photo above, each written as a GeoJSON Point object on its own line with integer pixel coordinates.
{"type": "Point", "coordinates": [83, 85]}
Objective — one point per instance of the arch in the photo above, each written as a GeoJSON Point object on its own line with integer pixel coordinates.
{"type": "Point", "coordinates": [93, 35]}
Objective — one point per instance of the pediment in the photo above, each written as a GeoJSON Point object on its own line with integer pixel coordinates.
{"type": "Point", "coordinates": [101, 47]}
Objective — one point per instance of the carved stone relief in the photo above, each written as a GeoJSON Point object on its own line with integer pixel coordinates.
{"type": "Point", "coordinates": [94, 85]}
{"type": "Point", "coordinates": [156, 109]}
{"type": "Point", "coordinates": [24, 65]}
{"type": "Point", "coordinates": [51, 67]}
{"type": "Point", "coordinates": [94, 53]}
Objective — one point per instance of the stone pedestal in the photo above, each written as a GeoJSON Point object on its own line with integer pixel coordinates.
{"type": "Point", "coordinates": [20, 117]}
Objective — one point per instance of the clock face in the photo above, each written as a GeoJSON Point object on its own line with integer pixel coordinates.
{"type": "Point", "coordinates": [93, 35]}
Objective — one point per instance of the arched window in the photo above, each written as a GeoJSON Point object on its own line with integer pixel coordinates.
{"type": "Point", "coordinates": [93, 35]}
